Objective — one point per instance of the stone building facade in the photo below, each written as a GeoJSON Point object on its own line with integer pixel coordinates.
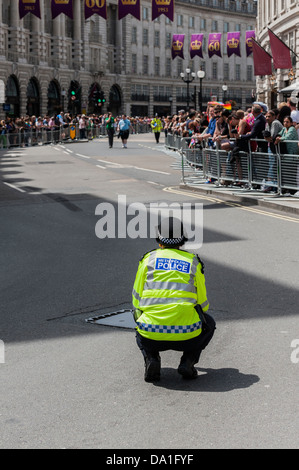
{"type": "Point", "coordinates": [282, 17]}
{"type": "Point", "coordinates": [49, 65]}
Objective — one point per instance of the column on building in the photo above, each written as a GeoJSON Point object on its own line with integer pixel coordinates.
{"type": "Point", "coordinates": [15, 31]}
{"type": "Point", "coordinates": [2, 42]}
{"type": "Point", "coordinates": [36, 43]}
{"type": "Point", "coordinates": [56, 41]}
{"type": "Point", "coordinates": [77, 40]}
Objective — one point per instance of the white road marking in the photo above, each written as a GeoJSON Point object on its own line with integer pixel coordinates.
{"type": "Point", "coordinates": [15, 187]}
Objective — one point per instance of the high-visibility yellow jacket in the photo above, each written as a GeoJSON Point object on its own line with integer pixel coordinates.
{"type": "Point", "coordinates": [169, 284]}
{"type": "Point", "coordinates": [156, 125]}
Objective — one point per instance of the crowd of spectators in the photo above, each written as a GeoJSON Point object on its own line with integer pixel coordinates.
{"type": "Point", "coordinates": [230, 130]}
{"type": "Point", "coordinates": [268, 131]}
{"type": "Point", "coordinates": [34, 125]}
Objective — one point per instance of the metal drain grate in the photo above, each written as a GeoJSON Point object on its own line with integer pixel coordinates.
{"type": "Point", "coordinates": [121, 319]}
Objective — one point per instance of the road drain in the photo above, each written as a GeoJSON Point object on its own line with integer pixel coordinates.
{"type": "Point", "coordinates": [121, 319]}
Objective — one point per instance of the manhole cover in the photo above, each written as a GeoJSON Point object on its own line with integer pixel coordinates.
{"type": "Point", "coordinates": [120, 318]}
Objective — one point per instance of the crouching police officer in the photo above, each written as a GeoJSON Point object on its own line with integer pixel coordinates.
{"type": "Point", "coordinates": [170, 301]}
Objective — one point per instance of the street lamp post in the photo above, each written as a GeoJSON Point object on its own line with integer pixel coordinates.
{"type": "Point", "coordinates": [201, 75]}
{"type": "Point", "coordinates": [224, 89]}
{"type": "Point", "coordinates": [170, 103]}
{"type": "Point", "coordinates": [63, 93]}
{"type": "Point", "coordinates": [188, 79]}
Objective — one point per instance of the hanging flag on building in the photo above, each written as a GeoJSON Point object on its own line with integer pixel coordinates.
{"type": "Point", "coordinates": [62, 6]}
{"type": "Point", "coordinates": [95, 7]}
{"type": "Point", "coordinates": [280, 52]}
{"type": "Point", "coordinates": [177, 48]}
{"type": "Point", "coordinates": [29, 6]}
{"type": "Point", "coordinates": [126, 7]}
{"type": "Point", "coordinates": [214, 46]}
{"type": "Point", "coordinates": [233, 44]}
{"type": "Point", "coordinates": [261, 60]}
{"type": "Point", "coordinates": [196, 45]}
{"type": "Point", "coordinates": [248, 39]}
{"type": "Point", "coordinates": [162, 7]}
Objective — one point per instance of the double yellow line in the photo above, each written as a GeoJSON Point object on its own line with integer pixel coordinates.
{"type": "Point", "coordinates": [230, 204]}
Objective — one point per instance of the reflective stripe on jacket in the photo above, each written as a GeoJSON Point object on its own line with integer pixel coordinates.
{"type": "Point", "coordinates": [169, 284]}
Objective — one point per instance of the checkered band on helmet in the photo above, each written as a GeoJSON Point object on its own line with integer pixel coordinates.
{"type": "Point", "coordinates": [171, 232]}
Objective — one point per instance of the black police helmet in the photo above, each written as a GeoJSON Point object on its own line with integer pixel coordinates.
{"type": "Point", "coordinates": [171, 232]}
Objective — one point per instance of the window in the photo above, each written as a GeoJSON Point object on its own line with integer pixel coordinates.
{"type": "Point", "coordinates": [249, 73]}
{"type": "Point", "coordinates": [145, 64]}
{"type": "Point", "coordinates": [191, 22]}
{"type": "Point", "coordinates": [157, 65]}
{"type": "Point", "coordinates": [179, 65]}
{"type": "Point", "coordinates": [134, 63]}
{"type": "Point", "coordinates": [157, 39]}
{"type": "Point", "coordinates": [168, 40]}
{"type": "Point", "coordinates": [215, 71]}
{"type": "Point", "coordinates": [226, 27]}
{"type": "Point", "coordinates": [134, 35]}
{"type": "Point", "coordinates": [203, 24]}
{"type": "Point", "coordinates": [214, 25]}
{"type": "Point", "coordinates": [179, 20]}
{"type": "Point", "coordinates": [226, 71]}
{"type": "Point", "coordinates": [238, 72]}
{"type": "Point", "coordinates": [145, 37]}
{"type": "Point", "coordinates": [144, 13]}
{"type": "Point", "coordinates": [168, 67]}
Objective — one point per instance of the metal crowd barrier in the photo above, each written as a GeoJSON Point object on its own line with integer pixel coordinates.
{"type": "Point", "coordinates": [279, 171]}
{"type": "Point", "coordinates": [43, 136]}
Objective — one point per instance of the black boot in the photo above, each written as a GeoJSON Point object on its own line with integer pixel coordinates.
{"type": "Point", "coordinates": [152, 368]}
{"type": "Point", "coordinates": [186, 368]}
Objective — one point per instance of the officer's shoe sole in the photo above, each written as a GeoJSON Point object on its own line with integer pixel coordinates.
{"type": "Point", "coordinates": [187, 371]}
{"type": "Point", "coordinates": [152, 370]}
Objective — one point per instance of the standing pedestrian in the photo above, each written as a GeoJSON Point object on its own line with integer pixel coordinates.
{"type": "Point", "coordinates": [82, 127]}
{"type": "Point", "coordinates": [170, 301]}
{"type": "Point", "coordinates": [124, 130]}
{"type": "Point", "coordinates": [110, 128]}
{"type": "Point", "coordinates": [157, 127]}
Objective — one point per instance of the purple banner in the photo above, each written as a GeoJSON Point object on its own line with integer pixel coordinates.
{"type": "Point", "coordinates": [233, 44]}
{"type": "Point", "coordinates": [177, 48]}
{"type": "Point", "coordinates": [29, 6]}
{"type": "Point", "coordinates": [214, 46]}
{"type": "Point", "coordinates": [162, 7]}
{"type": "Point", "coordinates": [249, 35]}
{"type": "Point", "coordinates": [196, 45]}
{"type": "Point", "coordinates": [95, 7]}
{"type": "Point", "coordinates": [62, 6]}
{"type": "Point", "coordinates": [126, 7]}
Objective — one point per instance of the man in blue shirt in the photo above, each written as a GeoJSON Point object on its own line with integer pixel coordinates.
{"type": "Point", "coordinates": [208, 134]}
{"type": "Point", "coordinates": [124, 130]}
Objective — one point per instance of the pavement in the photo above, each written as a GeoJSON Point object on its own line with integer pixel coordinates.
{"type": "Point", "coordinates": [284, 203]}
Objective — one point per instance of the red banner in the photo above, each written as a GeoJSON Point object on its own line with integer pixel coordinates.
{"type": "Point", "coordinates": [261, 59]}
{"type": "Point", "coordinates": [280, 52]}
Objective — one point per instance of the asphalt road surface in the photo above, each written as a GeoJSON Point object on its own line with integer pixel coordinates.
{"type": "Point", "coordinates": [66, 383]}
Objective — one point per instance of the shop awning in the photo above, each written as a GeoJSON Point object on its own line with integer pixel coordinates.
{"type": "Point", "coordinates": [290, 88]}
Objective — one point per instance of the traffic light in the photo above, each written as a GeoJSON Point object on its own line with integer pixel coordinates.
{"type": "Point", "coordinates": [100, 98]}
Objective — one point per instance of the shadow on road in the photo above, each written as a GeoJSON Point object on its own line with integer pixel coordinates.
{"type": "Point", "coordinates": [208, 380]}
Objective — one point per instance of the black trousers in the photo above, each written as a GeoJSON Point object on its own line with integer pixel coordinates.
{"type": "Point", "coordinates": [190, 347]}
{"type": "Point", "coordinates": [157, 136]}
{"type": "Point", "coordinates": [110, 133]}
